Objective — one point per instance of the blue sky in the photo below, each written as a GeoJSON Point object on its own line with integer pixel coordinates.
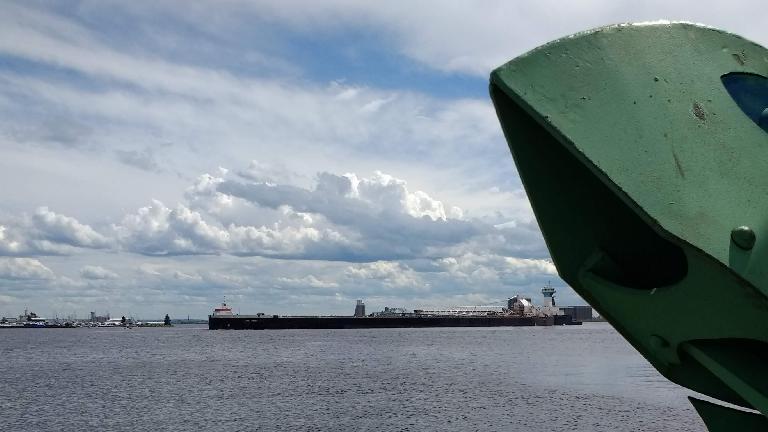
{"type": "Point", "coordinates": [293, 156]}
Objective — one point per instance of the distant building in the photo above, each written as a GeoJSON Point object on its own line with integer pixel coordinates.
{"type": "Point", "coordinates": [578, 313]}
{"type": "Point", "coordinates": [98, 318]}
{"type": "Point", "coordinates": [360, 309]}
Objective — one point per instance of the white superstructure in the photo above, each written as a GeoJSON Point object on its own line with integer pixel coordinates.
{"type": "Point", "coordinates": [222, 310]}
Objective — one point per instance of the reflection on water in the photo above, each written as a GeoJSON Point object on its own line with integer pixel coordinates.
{"type": "Point", "coordinates": [188, 378]}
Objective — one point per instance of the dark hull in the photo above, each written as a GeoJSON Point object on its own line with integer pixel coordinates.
{"type": "Point", "coordinates": [240, 322]}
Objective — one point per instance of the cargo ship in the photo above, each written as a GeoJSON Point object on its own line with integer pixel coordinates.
{"type": "Point", "coordinates": [518, 312]}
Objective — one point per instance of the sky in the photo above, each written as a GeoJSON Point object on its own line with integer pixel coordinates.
{"type": "Point", "coordinates": [293, 156]}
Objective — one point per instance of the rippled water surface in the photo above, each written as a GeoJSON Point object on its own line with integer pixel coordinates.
{"type": "Point", "coordinates": [464, 379]}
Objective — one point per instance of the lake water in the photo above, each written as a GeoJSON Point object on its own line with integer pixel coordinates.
{"type": "Point", "coordinates": [188, 378]}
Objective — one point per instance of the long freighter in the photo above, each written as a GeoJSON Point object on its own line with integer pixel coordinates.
{"type": "Point", "coordinates": [519, 312]}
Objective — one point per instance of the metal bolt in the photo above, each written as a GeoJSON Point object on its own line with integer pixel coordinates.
{"type": "Point", "coordinates": [762, 121]}
{"type": "Point", "coordinates": [744, 237]}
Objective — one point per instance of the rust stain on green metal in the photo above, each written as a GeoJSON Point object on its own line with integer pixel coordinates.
{"type": "Point", "coordinates": [644, 152]}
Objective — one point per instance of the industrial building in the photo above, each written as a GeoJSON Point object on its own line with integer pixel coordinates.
{"type": "Point", "coordinates": [578, 313]}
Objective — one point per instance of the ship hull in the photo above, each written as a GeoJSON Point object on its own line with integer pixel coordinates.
{"type": "Point", "coordinates": [244, 322]}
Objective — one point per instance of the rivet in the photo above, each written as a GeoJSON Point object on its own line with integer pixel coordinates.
{"type": "Point", "coordinates": [743, 237]}
{"type": "Point", "coordinates": [763, 119]}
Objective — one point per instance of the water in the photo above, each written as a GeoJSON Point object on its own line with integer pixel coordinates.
{"type": "Point", "coordinates": [456, 379]}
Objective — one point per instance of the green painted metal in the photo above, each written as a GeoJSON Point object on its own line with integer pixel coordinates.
{"type": "Point", "coordinates": [721, 419]}
{"type": "Point", "coordinates": [649, 181]}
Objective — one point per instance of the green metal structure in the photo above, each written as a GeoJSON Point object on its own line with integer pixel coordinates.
{"type": "Point", "coordinates": [644, 153]}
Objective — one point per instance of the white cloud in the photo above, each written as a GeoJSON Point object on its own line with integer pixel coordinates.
{"type": "Point", "coordinates": [307, 281]}
{"type": "Point", "coordinates": [185, 285]}
{"type": "Point", "coordinates": [268, 173]}
{"type": "Point", "coordinates": [272, 234]}
{"type": "Point", "coordinates": [208, 107]}
{"type": "Point", "coordinates": [24, 269]}
{"type": "Point", "coordinates": [97, 272]}
{"type": "Point", "coordinates": [159, 230]}
{"type": "Point", "coordinates": [377, 219]}
{"type": "Point", "coordinates": [144, 159]}
{"type": "Point", "coordinates": [390, 274]}
{"type": "Point", "coordinates": [387, 193]}
{"type": "Point", "coordinates": [67, 230]}
{"type": "Point", "coordinates": [51, 39]}
{"type": "Point", "coordinates": [208, 115]}
{"type": "Point", "coordinates": [475, 37]}
{"type": "Point", "coordinates": [284, 241]}
{"type": "Point", "coordinates": [465, 264]}
{"type": "Point", "coordinates": [380, 215]}
{"type": "Point", "coordinates": [47, 233]}
{"type": "Point", "coordinates": [186, 277]}
{"type": "Point", "coordinates": [203, 194]}
{"type": "Point", "coordinates": [8, 243]}
{"type": "Point", "coordinates": [343, 218]}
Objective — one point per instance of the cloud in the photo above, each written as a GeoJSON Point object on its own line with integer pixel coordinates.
{"type": "Point", "coordinates": [10, 243]}
{"type": "Point", "coordinates": [507, 270]}
{"type": "Point", "coordinates": [47, 233]}
{"type": "Point", "coordinates": [159, 230]}
{"type": "Point", "coordinates": [208, 106]}
{"type": "Point", "coordinates": [59, 129]}
{"type": "Point", "coordinates": [389, 274]}
{"type": "Point", "coordinates": [24, 269]}
{"type": "Point", "coordinates": [288, 242]}
{"type": "Point", "coordinates": [59, 41]}
{"type": "Point", "coordinates": [259, 171]}
{"type": "Point", "coordinates": [204, 194]}
{"type": "Point", "coordinates": [272, 234]}
{"type": "Point", "coordinates": [401, 243]}
{"type": "Point", "coordinates": [133, 100]}
{"type": "Point", "coordinates": [471, 38]}
{"type": "Point", "coordinates": [4, 299]}
{"type": "Point", "coordinates": [389, 220]}
{"type": "Point", "coordinates": [97, 272]}
{"type": "Point", "coordinates": [341, 218]}
{"type": "Point", "coordinates": [142, 159]}
{"type": "Point", "coordinates": [66, 230]}
{"type": "Point", "coordinates": [306, 281]}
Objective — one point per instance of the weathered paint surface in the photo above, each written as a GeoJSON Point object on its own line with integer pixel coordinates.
{"type": "Point", "coordinates": [650, 184]}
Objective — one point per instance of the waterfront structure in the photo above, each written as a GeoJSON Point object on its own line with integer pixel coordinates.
{"type": "Point", "coordinates": [113, 322]}
{"type": "Point", "coordinates": [31, 320]}
{"type": "Point", "coordinates": [99, 319]}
